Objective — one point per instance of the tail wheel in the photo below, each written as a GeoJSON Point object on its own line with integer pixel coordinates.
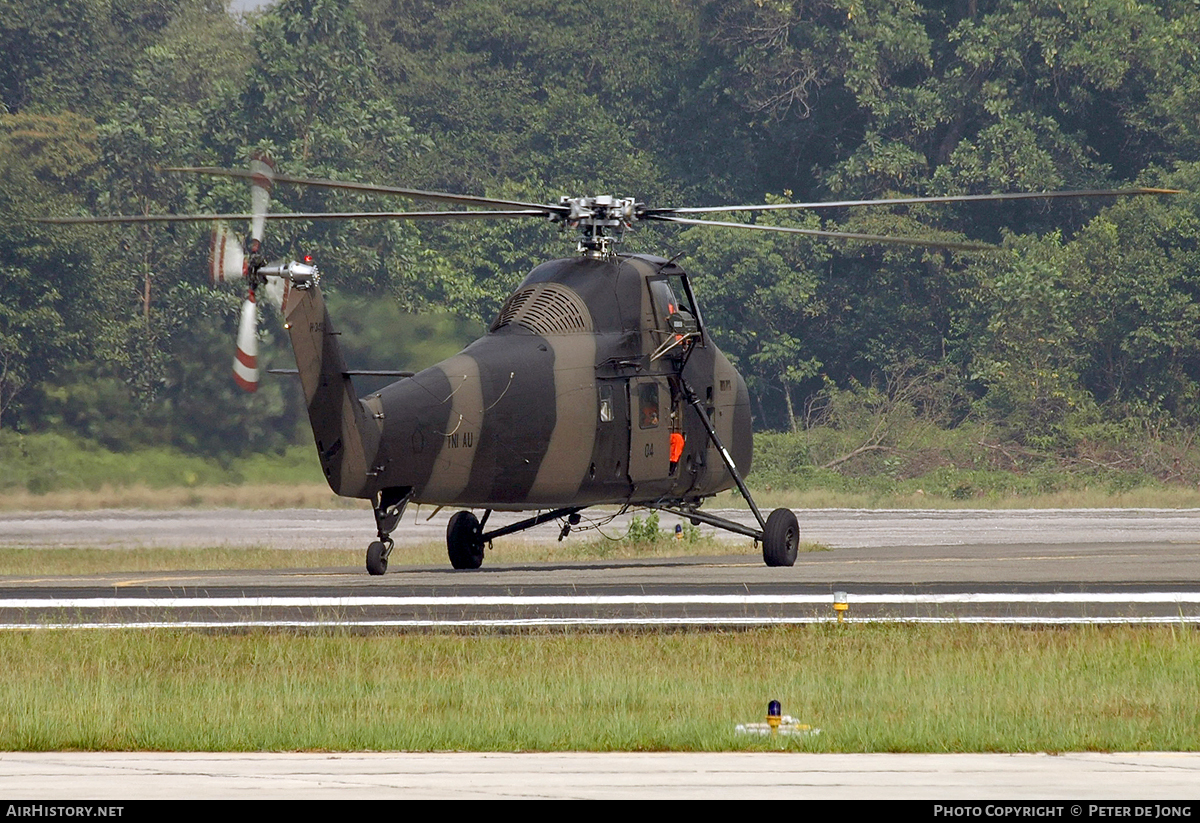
{"type": "Point", "coordinates": [377, 557]}
{"type": "Point", "coordinates": [464, 541]}
{"type": "Point", "coordinates": [781, 538]}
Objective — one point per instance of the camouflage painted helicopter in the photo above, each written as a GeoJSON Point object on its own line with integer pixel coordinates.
{"type": "Point", "coordinates": [597, 384]}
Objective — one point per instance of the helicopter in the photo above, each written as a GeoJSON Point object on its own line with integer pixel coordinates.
{"type": "Point", "coordinates": [597, 384]}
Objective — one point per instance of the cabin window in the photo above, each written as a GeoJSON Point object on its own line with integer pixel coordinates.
{"type": "Point", "coordinates": [607, 414]}
{"type": "Point", "coordinates": [648, 405]}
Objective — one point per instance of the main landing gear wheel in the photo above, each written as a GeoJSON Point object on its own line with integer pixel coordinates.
{"type": "Point", "coordinates": [781, 538]}
{"type": "Point", "coordinates": [464, 541]}
{"type": "Point", "coordinates": [377, 557]}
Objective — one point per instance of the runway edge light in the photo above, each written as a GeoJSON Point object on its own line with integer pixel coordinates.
{"type": "Point", "coordinates": [840, 604]}
{"type": "Point", "coordinates": [778, 724]}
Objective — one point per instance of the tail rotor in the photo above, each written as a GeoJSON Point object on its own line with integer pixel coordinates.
{"type": "Point", "coordinates": [230, 262]}
{"type": "Point", "coordinates": [245, 359]}
{"type": "Point", "coordinates": [227, 260]}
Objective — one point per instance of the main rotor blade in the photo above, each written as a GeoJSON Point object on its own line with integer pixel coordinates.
{"type": "Point", "coordinates": [908, 201]}
{"type": "Point", "coordinates": [333, 215]}
{"type": "Point", "coordinates": [406, 215]}
{"type": "Point", "coordinates": [369, 188]}
{"type": "Point", "coordinates": [354, 372]}
{"type": "Point", "coordinates": [844, 235]}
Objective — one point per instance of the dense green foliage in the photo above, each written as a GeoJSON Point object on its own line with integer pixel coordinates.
{"type": "Point", "coordinates": [1077, 341]}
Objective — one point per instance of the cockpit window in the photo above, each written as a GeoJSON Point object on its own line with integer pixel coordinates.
{"type": "Point", "coordinates": [681, 293]}
{"type": "Point", "coordinates": [672, 308]}
{"type": "Point", "coordinates": [665, 301]}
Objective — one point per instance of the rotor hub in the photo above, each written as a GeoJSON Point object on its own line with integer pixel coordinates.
{"type": "Point", "coordinates": [602, 221]}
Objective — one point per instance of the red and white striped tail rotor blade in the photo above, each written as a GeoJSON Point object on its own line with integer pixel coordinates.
{"type": "Point", "coordinates": [262, 176]}
{"type": "Point", "coordinates": [245, 360]}
{"type": "Point", "coordinates": [226, 260]}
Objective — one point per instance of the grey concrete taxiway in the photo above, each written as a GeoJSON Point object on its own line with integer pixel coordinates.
{"type": "Point", "coordinates": [837, 528]}
{"type": "Point", "coordinates": [1072, 779]}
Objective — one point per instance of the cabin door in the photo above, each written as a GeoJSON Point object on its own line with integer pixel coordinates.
{"type": "Point", "coordinates": [649, 429]}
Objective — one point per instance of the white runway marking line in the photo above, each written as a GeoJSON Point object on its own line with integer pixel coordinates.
{"type": "Point", "coordinates": [1178, 599]}
{"type": "Point", "coordinates": [594, 600]}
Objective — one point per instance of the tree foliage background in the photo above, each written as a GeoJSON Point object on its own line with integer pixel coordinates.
{"type": "Point", "coordinates": [1082, 330]}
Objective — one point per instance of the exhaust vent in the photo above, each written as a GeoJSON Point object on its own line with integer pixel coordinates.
{"type": "Point", "coordinates": [546, 309]}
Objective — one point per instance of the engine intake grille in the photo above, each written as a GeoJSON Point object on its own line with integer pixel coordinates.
{"type": "Point", "coordinates": [546, 308]}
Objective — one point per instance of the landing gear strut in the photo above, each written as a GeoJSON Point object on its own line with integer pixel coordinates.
{"type": "Point", "coordinates": [780, 533]}
{"type": "Point", "coordinates": [389, 505]}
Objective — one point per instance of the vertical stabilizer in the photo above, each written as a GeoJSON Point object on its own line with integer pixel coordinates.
{"type": "Point", "coordinates": [337, 417]}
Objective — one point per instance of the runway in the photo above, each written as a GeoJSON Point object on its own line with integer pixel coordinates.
{"type": "Point", "coordinates": [1035, 567]}
{"type": "Point", "coordinates": [1032, 567]}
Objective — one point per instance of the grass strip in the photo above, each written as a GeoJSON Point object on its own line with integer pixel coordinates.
{"type": "Point", "coordinates": [216, 496]}
{"type": "Point", "coordinates": [928, 468]}
{"type": "Point", "coordinates": [56, 561]}
{"type": "Point", "coordinates": [868, 688]}
{"type": "Point", "coordinates": [318, 496]}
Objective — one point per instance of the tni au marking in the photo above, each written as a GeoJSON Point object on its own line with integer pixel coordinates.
{"type": "Point", "coordinates": [463, 440]}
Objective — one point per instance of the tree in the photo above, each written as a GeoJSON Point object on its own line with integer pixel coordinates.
{"type": "Point", "coordinates": [42, 273]}
{"type": "Point", "coordinates": [1137, 294]}
{"type": "Point", "coordinates": [762, 297]}
{"type": "Point", "coordinates": [82, 55]}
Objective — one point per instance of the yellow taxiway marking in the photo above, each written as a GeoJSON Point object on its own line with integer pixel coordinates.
{"type": "Point", "coordinates": [170, 579]}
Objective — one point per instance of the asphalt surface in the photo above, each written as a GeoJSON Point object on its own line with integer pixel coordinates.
{"type": "Point", "coordinates": [1016, 566]}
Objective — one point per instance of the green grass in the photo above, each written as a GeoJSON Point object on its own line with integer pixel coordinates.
{"type": "Point", "coordinates": [53, 472]}
{"type": "Point", "coordinates": [644, 539]}
{"type": "Point", "coordinates": [46, 562]}
{"type": "Point", "coordinates": [37, 464]}
{"type": "Point", "coordinates": [868, 688]}
{"type": "Point", "coordinates": [963, 468]}
{"type": "Point", "coordinates": [59, 560]}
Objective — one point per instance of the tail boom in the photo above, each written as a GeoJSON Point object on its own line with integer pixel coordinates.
{"type": "Point", "coordinates": [337, 417]}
